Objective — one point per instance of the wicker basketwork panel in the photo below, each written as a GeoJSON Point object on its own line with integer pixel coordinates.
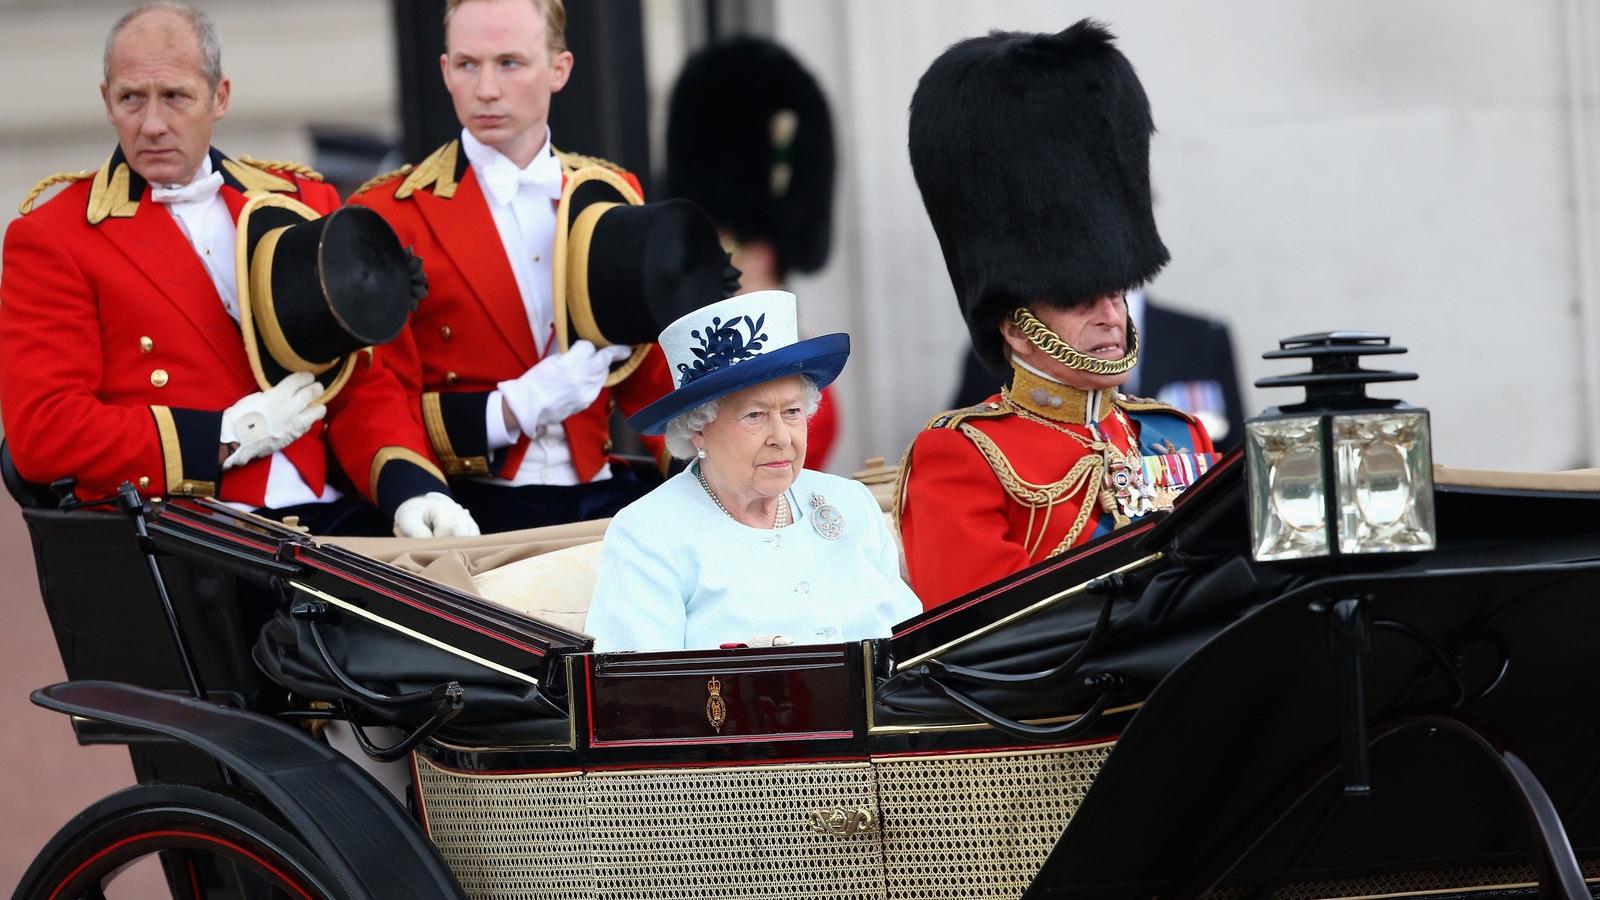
{"type": "Point", "coordinates": [978, 825]}
{"type": "Point", "coordinates": [511, 838]}
{"type": "Point", "coordinates": [733, 833]}
{"type": "Point", "coordinates": [679, 834]}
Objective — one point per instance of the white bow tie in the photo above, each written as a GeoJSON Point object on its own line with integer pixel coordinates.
{"type": "Point", "coordinates": [199, 190]}
{"type": "Point", "coordinates": [542, 177]}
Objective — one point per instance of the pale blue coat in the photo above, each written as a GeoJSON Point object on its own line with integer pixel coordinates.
{"type": "Point", "coordinates": [676, 572]}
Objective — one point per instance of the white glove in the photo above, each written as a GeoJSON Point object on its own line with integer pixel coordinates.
{"type": "Point", "coordinates": [433, 515]}
{"type": "Point", "coordinates": [561, 385]}
{"type": "Point", "coordinates": [268, 421]}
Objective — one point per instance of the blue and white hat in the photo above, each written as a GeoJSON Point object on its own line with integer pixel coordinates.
{"type": "Point", "coordinates": [734, 344]}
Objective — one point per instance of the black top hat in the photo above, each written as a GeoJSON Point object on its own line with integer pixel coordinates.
{"type": "Point", "coordinates": [749, 138]}
{"type": "Point", "coordinates": [1032, 152]}
{"type": "Point", "coordinates": [315, 290]}
{"type": "Point", "coordinates": [624, 270]}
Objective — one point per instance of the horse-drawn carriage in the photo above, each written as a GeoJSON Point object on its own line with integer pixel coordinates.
{"type": "Point", "coordinates": [1222, 701]}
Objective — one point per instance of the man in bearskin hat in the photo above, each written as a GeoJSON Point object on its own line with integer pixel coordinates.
{"type": "Point", "coordinates": [126, 314]}
{"type": "Point", "coordinates": [518, 413]}
{"type": "Point", "coordinates": [750, 139]}
{"type": "Point", "coordinates": [1032, 155]}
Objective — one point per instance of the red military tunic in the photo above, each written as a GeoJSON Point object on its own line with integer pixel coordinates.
{"type": "Point", "coordinates": [119, 356]}
{"type": "Point", "coordinates": [471, 332]}
{"type": "Point", "coordinates": [1031, 472]}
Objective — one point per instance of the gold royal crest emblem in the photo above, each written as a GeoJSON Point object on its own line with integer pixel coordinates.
{"type": "Point", "coordinates": [716, 709]}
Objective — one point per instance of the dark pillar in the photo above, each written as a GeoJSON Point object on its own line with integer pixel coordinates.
{"type": "Point", "coordinates": [426, 117]}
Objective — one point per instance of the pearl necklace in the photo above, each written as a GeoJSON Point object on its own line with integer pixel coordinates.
{"type": "Point", "coordinates": [780, 516]}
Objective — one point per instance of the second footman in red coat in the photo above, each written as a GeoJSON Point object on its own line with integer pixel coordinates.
{"type": "Point", "coordinates": [518, 414]}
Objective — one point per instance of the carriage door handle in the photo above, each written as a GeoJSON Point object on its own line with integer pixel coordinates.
{"type": "Point", "coordinates": [841, 822]}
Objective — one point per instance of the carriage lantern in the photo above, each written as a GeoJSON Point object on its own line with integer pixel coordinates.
{"type": "Point", "coordinates": [1342, 473]}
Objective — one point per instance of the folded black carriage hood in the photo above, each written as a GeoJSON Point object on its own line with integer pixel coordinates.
{"type": "Point", "coordinates": [1218, 747]}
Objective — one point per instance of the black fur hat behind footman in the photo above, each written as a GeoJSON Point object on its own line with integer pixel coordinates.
{"type": "Point", "coordinates": [1032, 152]}
{"type": "Point", "coordinates": [750, 139]}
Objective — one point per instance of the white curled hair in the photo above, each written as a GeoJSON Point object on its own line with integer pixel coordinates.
{"type": "Point", "coordinates": [681, 430]}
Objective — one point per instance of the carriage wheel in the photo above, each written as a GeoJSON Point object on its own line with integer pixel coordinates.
{"type": "Point", "coordinates": [212, 845]}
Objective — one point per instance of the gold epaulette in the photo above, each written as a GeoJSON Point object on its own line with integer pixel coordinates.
{"type": "Point", "coordinates": [255, 178]}
{"type": "Point", "coordinates": [1146, 404]}
{"type": "Point", "coordinates": [953, 418]}
{"type": "Point", "coordinates": [304, 171]}
{"type": "Point", "coordinates": [26, 206]}
{"type": "Point", "coordinates": [376, 180]}
{"type": "Point", "coordinates": [437, 172]}
{"type": "Point", "coordinates": [572, 161]}
{"type": "Point", "coordinates": [948, 419]}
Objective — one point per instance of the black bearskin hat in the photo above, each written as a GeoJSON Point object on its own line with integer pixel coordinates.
{"type": "Point", "coordinates": [750, 140]}
{"type": "Point", "coordinates": [1032, 152]}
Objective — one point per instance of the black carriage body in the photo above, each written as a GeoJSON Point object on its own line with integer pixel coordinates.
{"type": "Point", "coordinates": [1112, 723]}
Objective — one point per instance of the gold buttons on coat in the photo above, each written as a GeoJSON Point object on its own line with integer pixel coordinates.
{"type": "Point", "coordinates": [450, 377]}
{"type": "Point", "coordinates": [159, 378]}
{"type": "Point", "coordinates": [146, 345]}
{"type": "Point", "coordinates": [445, 332]}
{"type": "Point", "coordinates": [144, 482]}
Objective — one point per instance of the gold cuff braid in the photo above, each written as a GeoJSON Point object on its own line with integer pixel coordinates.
{"type": "Point", "coordinates": [1040, 335]}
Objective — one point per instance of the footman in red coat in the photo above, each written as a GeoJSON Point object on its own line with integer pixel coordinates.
{"type": "Point", "coordinates": [122, 304]}
{"type": "Point", "coordinates": [516, 408]}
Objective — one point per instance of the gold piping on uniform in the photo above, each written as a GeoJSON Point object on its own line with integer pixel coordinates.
{"type": "Point", "coordinates": [439, 437]}
{"type": "Point", "coordinates": [390, 454]}
{"type": "Point", "coordinates": [417, 635]}
{"type": "Point", "coordinates": [171, 448]}
{"type": "Point", "coordinates": [1025, 612]}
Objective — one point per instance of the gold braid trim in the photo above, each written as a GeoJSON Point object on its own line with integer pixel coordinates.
{"type": "Point", "coordinates": [376, 180]}
{"type": "Point", "coordinates": [403, 454]}
{"type": "Point", "coordinates": [900, 481]}
{"type": "Point", "coordinates": [572, 162]}
{"type": "Point", "coordinates": [301, 169]}
{"type": "Point", "coordinates": [1040, 335]}
{"type": "Point", "coordinates": [439, 437]}
{"type": "Point", "coordinates": [1084, 476]}
{"type": "Point", "coordinates": [951, 418]}
{"type": "Point", "coordinates": [26, 206]}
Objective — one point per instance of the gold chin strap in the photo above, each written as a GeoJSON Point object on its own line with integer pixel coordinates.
{"type": "Point", "coordinates": [1040, 335]}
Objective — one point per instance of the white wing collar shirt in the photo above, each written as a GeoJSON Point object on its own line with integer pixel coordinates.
{"type": "Point", "coordinates": [522, 202]}
{"type": "Point", "coordinates": [676, 572]}
{"type": "Point", "coordinates": [204, 219]}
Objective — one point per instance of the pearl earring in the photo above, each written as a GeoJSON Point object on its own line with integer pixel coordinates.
{"type": "Point", "coordinates": [700, 453]}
